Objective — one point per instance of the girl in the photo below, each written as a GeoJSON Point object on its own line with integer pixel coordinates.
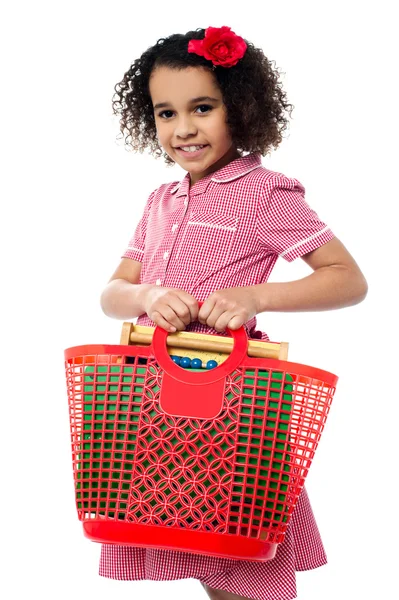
{"type": "Point", "coordinates": [213, 103]}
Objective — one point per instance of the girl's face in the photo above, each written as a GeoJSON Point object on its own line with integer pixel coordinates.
{"type": "Point", "coordinates": [189, 110]}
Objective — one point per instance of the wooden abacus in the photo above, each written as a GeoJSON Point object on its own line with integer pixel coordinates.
{"type": "Point", "coordinates": [204, 346]}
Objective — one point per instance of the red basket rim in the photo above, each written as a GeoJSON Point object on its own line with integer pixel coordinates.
{"type": "Point", "coordinates": [249, 362]}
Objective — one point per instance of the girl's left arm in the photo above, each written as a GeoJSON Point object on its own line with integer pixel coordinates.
{"type": "Point", "coordinates": [336, 282]}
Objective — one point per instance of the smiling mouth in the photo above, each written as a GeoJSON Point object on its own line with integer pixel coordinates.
{"type": "Point", "coordinates": [191, 152]}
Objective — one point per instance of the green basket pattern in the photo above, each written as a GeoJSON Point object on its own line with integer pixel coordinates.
{"type": "Point", "coordinates": [229, 474]}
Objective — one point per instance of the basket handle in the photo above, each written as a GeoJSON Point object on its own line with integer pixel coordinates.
{"type": "Point", "coordinates": [239, 352]}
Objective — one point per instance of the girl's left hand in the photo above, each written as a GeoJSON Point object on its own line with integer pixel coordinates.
{"type": "Point", "coordinates": [231, 307]}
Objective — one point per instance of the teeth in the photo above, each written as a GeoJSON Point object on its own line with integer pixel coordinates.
{"type": "Point", "coordinates": [191, 148]}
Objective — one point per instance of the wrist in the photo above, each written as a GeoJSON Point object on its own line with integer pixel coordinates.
{"type": "Point", "coordinates": [142, 294]}
{"type": "Point", "coordinates": [259, 291]}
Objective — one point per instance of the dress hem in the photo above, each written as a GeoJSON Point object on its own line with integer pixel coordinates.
{"type": "Point", "coordinates": [316, 565]}
{"type": "Point", "coordinates": [299, 569]}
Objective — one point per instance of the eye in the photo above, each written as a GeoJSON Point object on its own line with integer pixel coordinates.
{"type": "Point", "coordinates": [164, 112]}
{"type": "Point", "coordinates": [207, 106]}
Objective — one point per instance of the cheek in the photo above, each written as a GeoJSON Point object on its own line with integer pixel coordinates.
{"type": "Point", "coordinates": [223, 134]}
{"type": "Point", "coordinates": [163, 131]}
{"type": "Point", "coordinates": [161, 135]}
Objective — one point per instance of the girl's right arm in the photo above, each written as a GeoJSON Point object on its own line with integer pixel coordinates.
{"type": "Point", "coordinates": [125, 298]}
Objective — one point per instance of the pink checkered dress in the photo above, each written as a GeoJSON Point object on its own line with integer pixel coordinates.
{"type": "Point", "coordinates": [227, 230]}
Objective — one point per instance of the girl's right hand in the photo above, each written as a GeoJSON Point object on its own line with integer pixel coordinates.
{"type": "Point", "coordinates": [170, 308]}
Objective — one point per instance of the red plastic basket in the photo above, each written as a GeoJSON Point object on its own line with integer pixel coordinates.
{"type": "Point", "coordinates": [211, 463]}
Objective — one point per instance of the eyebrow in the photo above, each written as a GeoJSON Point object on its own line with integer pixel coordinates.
{"type": "Point", "coordinates": [192, 101]}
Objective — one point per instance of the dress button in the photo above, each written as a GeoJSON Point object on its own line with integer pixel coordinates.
{"type": "Point", "coordinates": [174, 227]}
{"type": "Point", "coordinates": [166, 255]}
{"type": "Point", "coordinates": [158, 282]}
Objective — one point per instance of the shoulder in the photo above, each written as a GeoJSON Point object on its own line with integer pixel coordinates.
{"type": "Point", "coordinates": [265, 181]}
{"type": "Point", "coordinates": [160, 195]}
{"type": "Point", "coordinates": [260, 184]}
{"type": "Point", "coordinates": [164, 190]}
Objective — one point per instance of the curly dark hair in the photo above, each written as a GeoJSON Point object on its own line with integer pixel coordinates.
{"type": "Point", "coordinates": [252, 94]}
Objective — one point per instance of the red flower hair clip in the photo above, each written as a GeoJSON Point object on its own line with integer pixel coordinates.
{"type": "Point", "coordinates": [220, 45]}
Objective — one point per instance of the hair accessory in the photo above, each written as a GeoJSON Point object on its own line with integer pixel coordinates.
{"type": "Point", "coordinates": [220, 45]}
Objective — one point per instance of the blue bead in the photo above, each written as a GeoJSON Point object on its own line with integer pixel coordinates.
{"type": "Point", "coordinates": [175, 358]}
{"type": "Point", "coordinates": [196, 363]}
{"type": "Point", "coordinates": [185, 362]}
{"type": "Point", "coordinates": [211, 364]}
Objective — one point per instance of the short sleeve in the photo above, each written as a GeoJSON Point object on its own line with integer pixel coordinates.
{"type": "Point", "coordinates": [286, 225]}
{"type": "Point", "coordinates": [135, 249]}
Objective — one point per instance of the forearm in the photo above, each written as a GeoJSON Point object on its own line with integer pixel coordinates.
{"type": "Point", "coordinates": [123, 300]}
{"type": "Point", "coordinates": [326, 288]}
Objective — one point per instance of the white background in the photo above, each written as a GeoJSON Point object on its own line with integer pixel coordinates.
{"type": "Point", "coordinates": [71, 199]}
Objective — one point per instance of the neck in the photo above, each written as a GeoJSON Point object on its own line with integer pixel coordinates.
{"type": "Point", "coordinates": [231, 155]}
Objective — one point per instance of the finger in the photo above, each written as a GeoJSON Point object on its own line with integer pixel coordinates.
{"type": "Point", "coordinates": [235, 323]}
{"type": "Point", "coordinates": [220, 325]}
{"type": "Point", "coordinates": [218, 319]}
{"type": "Point", "coordinates": [180, 322]}
{"type": "Point", "coordinates": [161, 322]}
{"type": "Point", "coordinates": [186, 310]}
{"type": "Point", "coordinates": [205, 311]}
{"type": "Point", "coordinates": [193, 307]}
{"type": "Point", "coordinates": [190, 305]}
{"type": "Point", "coordinates": [228, 320]}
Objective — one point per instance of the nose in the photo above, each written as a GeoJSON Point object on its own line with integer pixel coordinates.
{"type": "Point", "coordinates": [185, 127]}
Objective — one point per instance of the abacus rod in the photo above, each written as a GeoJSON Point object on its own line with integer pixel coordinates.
{"type": "Point", "coordinates": [268, 350]}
